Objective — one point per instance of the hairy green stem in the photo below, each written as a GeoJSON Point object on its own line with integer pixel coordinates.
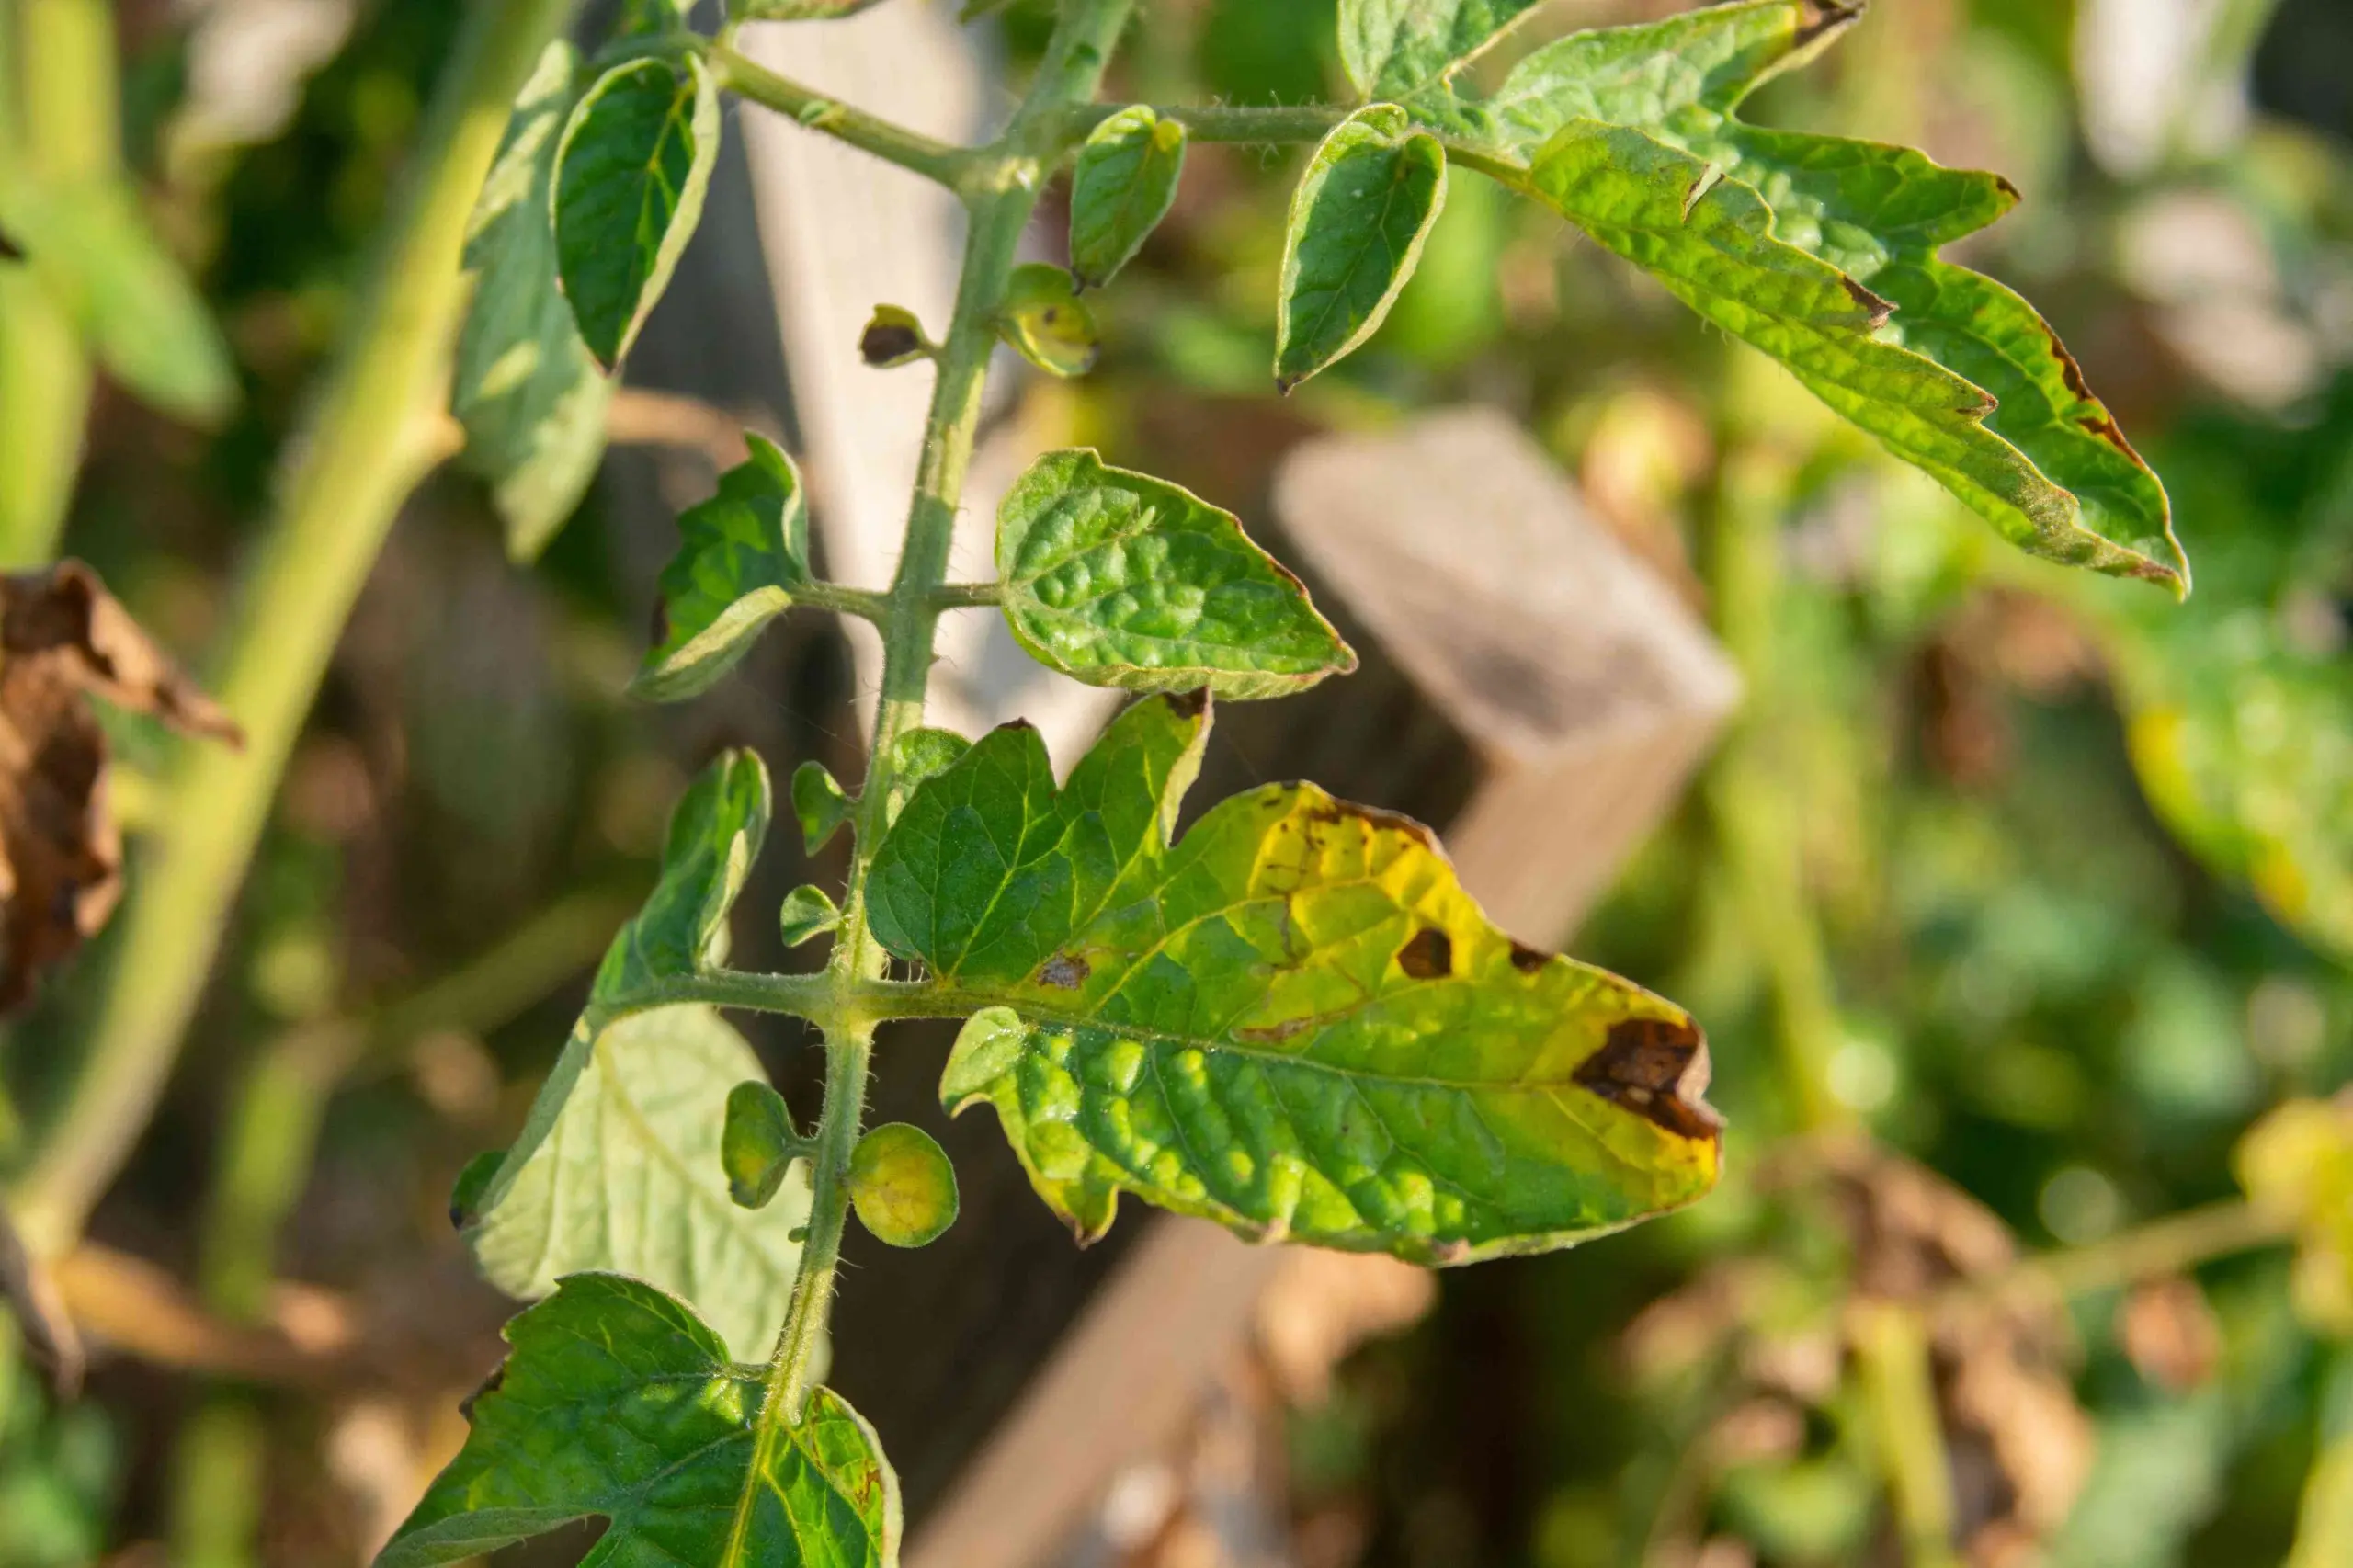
{"type": "Point", "coordinates": [375, 436]}
{"type": "Point", "coordinates": [843, 122]}
{"type": "Point", "coordinates": [1000, 185]}
{"type": "Point", "coordinates": [57, 111]}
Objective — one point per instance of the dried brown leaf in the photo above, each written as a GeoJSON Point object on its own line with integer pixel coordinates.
{"type": "Point", "coordinates": [62, 640]}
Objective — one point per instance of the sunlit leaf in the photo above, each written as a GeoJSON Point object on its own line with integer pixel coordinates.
{"type": "Point", "coordinates": [619, 1165]}
{"type": "Point", "coordinates": [617, 1402]}
{"type": "Point", "coordinates": [1120, 579]}
{"type": "Point", "coordinates": [808, 912]}
{"type": "Point", "coordinates": [1631, 134]}
{"type": "Point", "coordinates": [1293, 1021]}
{"type": "Point", "coordinates": [740, 555]}
{"type": "Point", "coordinates": [1392, 47]}
{"type": "Point", "coordinates": [529, 395]}
{"type": "Point", "coordinates": [758, 1143]}
{"type": "Point", "coordinates": [903, 1186]}
{"type": "Point", "coordinates": [94, 251]}
{"type": "Point", "coordinates": [1123, 186]}
{"type": "Point", "coordinates": [1371, 192]}
{"type": "Point", "coordinates": [631, 175]}
{"type": "Point", "coordinates": [1046, 323]}
{"type": "Point", "coordinates": [819, 804]}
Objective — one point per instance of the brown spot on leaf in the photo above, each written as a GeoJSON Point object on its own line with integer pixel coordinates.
{"type": "Point", "coordinates": [660, 626]}
{"type": "Point", "coordinates": [1064, 971]}
{"type": "Point", "coordinates": [1428, 954]}
{"type": "Point", "coordinates": [1332, 812]}
{"type": "Point", "coordinates": [1879, 309]}
{"type": "Point", "coordinates": [1526, 959]}
{"type": "Point", "coordinates": [1273, 1034]}
{"type": "Point", "coordinates": [62, 639]}
{"type": "Point", "coordinates": [1816, 18]}
{"type": "Point", "coordinates": [1188, 704]}
{"type": "Point", "coordinates": [884, 344]}
{"type": "Point", "coordinates": [9, 249]}
{"type": "Point", "coordinates": [1657, 1068]}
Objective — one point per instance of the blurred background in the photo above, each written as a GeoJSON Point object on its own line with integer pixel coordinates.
{"type": "Point", "coordinates": [2011, 899]}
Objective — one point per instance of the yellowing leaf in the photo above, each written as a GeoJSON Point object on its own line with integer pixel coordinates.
{"type": "Point", "coordinates": [2298, 1162]}
{"type": "Point", "coordinates": [1046, 323]}
{"type": "Point", "coordinates": [1293, 1021]}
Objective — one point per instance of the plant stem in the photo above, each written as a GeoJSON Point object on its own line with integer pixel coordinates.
{"type": "Point", "coordinates": [845, 122]}
{"type": "Point", "coordinates": [373, 440]}
{"type": "Point", "coordinates": [61, 110]}
{"type": "Point", "coordinates": [1750, 798]}
{"type": "Point", "coordinates": [1001, 185]}
{"type": "Point", "coordinates": [2168, 1246]}
{"type": "Point", "coordinates": [968, 595]}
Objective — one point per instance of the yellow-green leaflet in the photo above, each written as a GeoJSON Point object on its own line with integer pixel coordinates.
{"type": "Point", "coordinates": [1293, 1021]}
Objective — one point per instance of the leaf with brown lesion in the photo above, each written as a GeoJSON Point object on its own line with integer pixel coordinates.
{"type": "Point", "coordinates": [63, 639]}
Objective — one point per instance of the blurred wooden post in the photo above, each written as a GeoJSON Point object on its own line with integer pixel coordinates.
{"type": "Point", "coordinates": [1591, 692]}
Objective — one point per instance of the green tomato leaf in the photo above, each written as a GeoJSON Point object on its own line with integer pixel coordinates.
{"type": "Point", "coordinates": [618, 1165]}
{"type": "Point", "coordinates": [631, 175]}
{"type": "Point", "coordinates": [1885, 363]}
{"type": "Point", "coordinates": [758, 1143]}
{"type": "Point", "coordinates": [920, 754]}
{"type": "Point", "coordinates": [740, 555]}
{"type": "Point", "coordinates": [92, 249]}
{"type": "Point", "coordinates": [529, 395]}
{"type": "Point", "coordinates": [808, 914]}
{"type": "Point", "coordinates": [1123, 186]}
{"type": "Point", "coordinates": [1045, 321]}
{"type": "Point", "coordinates": [1633, 134]}
{"type": "Point", "coordinates": [820, 804]}
{"type": "Point", "coordinates": [1370, 197]}
{"type": "Point", "coordinates": [1689, 71]}
{"type": "Point", "coordinates": [1391, 48]}
{"type": "Point", "coordinates": [1293, 1021]}
{"type": "Point", "coordinates": [617, 1402]}
{"type": "Point", "coordinates": [1123, 580]}
{"type": "Point", "coordinates": [715, 835]}
{"type": "Point", "coordinates": [903, 1186]}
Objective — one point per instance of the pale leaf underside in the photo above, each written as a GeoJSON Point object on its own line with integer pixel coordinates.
{"type": "Point", "coordinates": [529, 395]}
